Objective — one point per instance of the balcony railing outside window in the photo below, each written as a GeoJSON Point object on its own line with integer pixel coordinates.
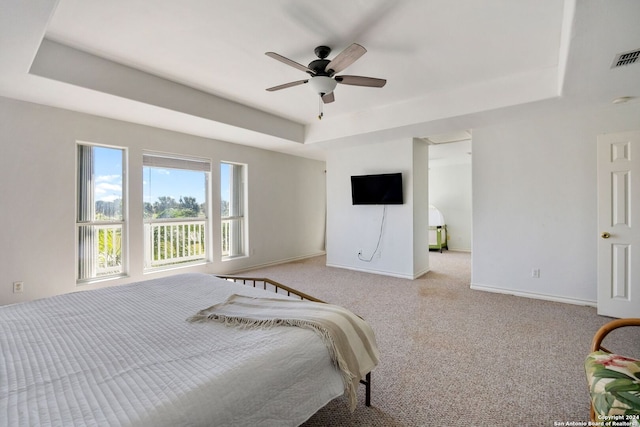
{"type": "Point", "coordinates": [109, 250]}
{"type": "Point", "coordinates": [100, 250]}
{"type": "Point", "coordinates": [171, 242]}
{"type": "Point", "coordinates": [231, 237]}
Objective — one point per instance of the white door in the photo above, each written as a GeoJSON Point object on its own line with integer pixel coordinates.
{"type": "Point", "coordinates": [619, 224]}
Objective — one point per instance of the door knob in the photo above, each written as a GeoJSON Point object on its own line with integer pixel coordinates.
{"type": "Point", "coordinates": [605, 235]}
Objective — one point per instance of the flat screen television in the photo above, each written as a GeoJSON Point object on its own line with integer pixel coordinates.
{"type": "Point", "coordinates": [382, 189]}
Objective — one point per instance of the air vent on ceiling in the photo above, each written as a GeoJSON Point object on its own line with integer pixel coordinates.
{"type": "Point", "coordinates": [626, 58]}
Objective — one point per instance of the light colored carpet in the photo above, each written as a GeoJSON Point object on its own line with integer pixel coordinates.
{"type": "Point", "coordinates": [457, 357]}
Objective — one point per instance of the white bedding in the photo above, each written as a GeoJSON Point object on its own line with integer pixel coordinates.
{"type": "Point", "coordinates": [126, 355]}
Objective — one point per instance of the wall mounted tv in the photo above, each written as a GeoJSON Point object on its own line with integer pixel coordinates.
{"type": "Point", "coordinates": [382, 189]}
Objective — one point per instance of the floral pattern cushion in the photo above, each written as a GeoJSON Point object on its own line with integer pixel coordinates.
{"type": "Point", "coordinates": [614, 384]}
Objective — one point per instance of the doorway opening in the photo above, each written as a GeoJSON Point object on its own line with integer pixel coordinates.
{"type": "Point", "coordinates": [450, 190]}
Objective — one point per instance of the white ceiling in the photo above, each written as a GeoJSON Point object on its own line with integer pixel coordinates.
{"type": "Point", "coordinates": [198, 66]}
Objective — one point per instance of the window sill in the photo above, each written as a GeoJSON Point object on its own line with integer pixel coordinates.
{"type": "Point", "coordinates": [174, 267]}
{"type": "Point", "coordinates": [232, 258]}
{"type": "Point", "coordinates": [95, 280]}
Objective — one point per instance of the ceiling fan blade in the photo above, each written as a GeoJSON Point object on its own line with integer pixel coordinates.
{"type": "Point", "coordinates": [289, 62]}
{"type": "Point", "coordinates": [328, 98]}
{"type": "Point", "coordinates": [286, 85]}
{"type": "Point", "coordinates": [361, 81]}
{"type": "Point", "coordinates": [345, 58]}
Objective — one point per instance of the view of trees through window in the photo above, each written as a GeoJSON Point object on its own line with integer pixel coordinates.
{"type": "Point", "coordinates": [168, 207]}
{"type": "Point", "coordinates": [224, 208]}
{"type": "Point", "coordinates": [174, 193]}
{"type": "Point", "coordinates": [106, 210]}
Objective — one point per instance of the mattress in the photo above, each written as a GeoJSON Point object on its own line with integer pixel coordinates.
{"type": "Point", "coordinates": [126, 355]}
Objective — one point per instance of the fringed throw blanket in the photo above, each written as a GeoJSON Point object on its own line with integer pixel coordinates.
{"type": "Point", "coordinates": [349, 339]}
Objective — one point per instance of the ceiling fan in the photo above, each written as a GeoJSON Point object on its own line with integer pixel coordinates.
{"type": "Point", "coordinates": [323, 71]}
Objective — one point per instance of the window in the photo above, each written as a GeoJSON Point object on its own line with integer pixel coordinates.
{"type": "Point", "coordinates": [232, 190]}
{"type": "Point", "coordinates": [175, 192]}
{"type": "Point", "coordinates": [101, 208]}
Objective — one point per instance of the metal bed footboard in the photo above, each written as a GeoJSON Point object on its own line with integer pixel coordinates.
{"type": "Point", "coordinates": [279, 288]}
{"type": "Point", "coordinates": [269, 285]}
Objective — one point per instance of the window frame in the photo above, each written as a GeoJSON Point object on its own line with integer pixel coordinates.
{"type": "Point", "coordinates": [163, 160]}
{"type": "Point", "coordinates": [93, 276]}
{"type": "Point", "coordinates": [238, 195]}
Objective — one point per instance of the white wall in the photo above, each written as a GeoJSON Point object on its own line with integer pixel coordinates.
{"type": "Point", "coordinates": [450, 192]}
{"type": "Point", "coordinates": [535, 203]}
{"type": "Point", "coordinates": [350, 228]}
{"type": "Point", "coordinates": [420, 198]}
{"type": "Point", "coordinates": [286, 199]}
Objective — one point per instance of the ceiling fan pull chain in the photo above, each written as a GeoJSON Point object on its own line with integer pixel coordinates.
{"type": "Point", "coordinates": [320, 108]}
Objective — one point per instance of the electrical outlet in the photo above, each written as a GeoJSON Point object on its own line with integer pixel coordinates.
{"type": "Point", "coordinates": [18, 287]}
{"type": "Point", "coordinates": [535, 273]}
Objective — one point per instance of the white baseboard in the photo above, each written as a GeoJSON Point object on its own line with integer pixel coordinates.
{"type": "Point", "coordinates": [380, 272]}
{"type": "Point", "coordinates": [546, 297]}
{"type": "Point", "coordinates": [278, 262]}
{"type": "Point", "coordinates": [421, 273]}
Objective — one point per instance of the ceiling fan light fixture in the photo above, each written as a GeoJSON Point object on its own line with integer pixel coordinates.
{"type": "Point", "coordinates": [322, 84]}
{"type": "Point", "coordinates": [323, 79]}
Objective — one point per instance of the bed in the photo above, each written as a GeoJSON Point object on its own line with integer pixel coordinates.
{"type": "Point", "coordinates": [126, 355]}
